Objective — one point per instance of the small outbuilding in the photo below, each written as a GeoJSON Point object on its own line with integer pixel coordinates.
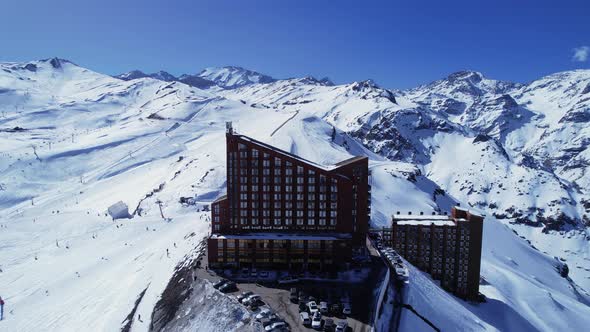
{"type": "Point", "coordinates": [119, 210]}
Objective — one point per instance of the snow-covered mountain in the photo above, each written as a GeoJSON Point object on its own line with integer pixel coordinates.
{"type": "Point", "coordinates": [231, 77]}
{"type": "Point", "coordinates": [73, 142]}
{"type": "Point", "coordinates": [135, 74]}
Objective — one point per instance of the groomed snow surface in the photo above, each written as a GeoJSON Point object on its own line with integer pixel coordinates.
{"type": "Point", "coordinates": [89, 140]}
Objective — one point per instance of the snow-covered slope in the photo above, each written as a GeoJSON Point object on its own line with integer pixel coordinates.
{"type": "Point", "coordinates": [73, 142]}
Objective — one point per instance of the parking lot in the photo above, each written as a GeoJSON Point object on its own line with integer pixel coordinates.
{"type": "Point", "coordinates": [357, 287]}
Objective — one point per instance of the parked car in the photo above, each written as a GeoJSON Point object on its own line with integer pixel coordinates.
{"type": "Point", "coordinates": [341, 326]}
{"type": "Point", "coordinates": [245, 271]}
{"type": "Point", "coordinates": [263, 274]}
{"type": "Point", "coordinates": [312, 307]}
{"type": "Point", "coordinates": [275, 326]}
{"type": "Point", "coordinates": [316, 321]}
{"type": "Point", "coordinates": [255, 305]}
{"type": "Point", "coordinates": [329, 325]}
{"type": "Point", "coordinates": [264, 313]}
{"type": "Point", "coordinates": [324, 307]}
{"type": "Point", "coordinates": [270, 320]}
{"type": "Point", "coordinates": [336, 309]}
{"type": "Point", "coordinates": [228, 287]}
{"type": "Point", "coordinates": [302, 306]}
{"type": "Point", "coordinates": [220, 283]}
{"type": "Point", "coordinates": [244, 295]}
{"type": "Point", "coordinates": [251, 299]}
{"type": "Point", "coordinates": [305, 320]}
{"type": "Point", "coordinates": [253, 273]}
{"type": "Point", "coordinates": [346, 309]}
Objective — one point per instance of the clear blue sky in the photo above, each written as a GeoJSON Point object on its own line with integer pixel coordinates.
{"type": "Point", "coordinates": [398, 44]}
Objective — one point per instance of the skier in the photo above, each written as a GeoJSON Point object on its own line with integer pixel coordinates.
{"type": "Point", "coordinates": [1, 308]}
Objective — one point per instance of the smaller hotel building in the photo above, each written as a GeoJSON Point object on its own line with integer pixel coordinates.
{"type": "Point", "coordinates": [284, 212]}
{"type": "Point", "coordinates": [449, 248]}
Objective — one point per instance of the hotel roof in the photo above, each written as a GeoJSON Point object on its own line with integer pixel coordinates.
{"type": "Point", "coordinates": [424, 220]}
{"type": "Point", "coordinates": [288, 154]}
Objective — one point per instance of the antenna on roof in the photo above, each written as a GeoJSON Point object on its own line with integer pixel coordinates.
{"type": "Point", "coordinates": [228, 128]}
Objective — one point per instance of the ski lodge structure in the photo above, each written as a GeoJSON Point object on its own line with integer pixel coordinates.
{"type": "Point", "coordinates": [447, 247]}
{"type": "Point", "coordinates": [284, 212]}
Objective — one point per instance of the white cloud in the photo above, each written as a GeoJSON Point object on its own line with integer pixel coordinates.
{"type": "Point", "coordinates": [581, 54]}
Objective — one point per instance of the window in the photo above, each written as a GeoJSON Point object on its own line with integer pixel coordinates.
{"type": "Point", "coordinates": [299, 221]}
{"type": "Point", "coordinates": [311, 214]}
{"type": "Point", "coordinates": [277, 161]}
{"type": "Point", "coordinates": [254, 153]}
{"type": "Point", "coordinates": [277, 221]}
{"type": "Point", "coordinates": [300, 197]}
{"type": "Point", "coordinates": [277, 188]}
{"type": "Point", "coordinates": [299, 170]}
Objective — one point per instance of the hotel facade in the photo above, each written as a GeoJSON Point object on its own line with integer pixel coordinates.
{"type": "Point", "coordinates": [284, 212]}
{"type": "Point", "coordinates": [449, 248]}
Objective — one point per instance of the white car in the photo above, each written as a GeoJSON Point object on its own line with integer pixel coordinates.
{"type": "Point", "coordinates": [305, 318]}
{"type": "Point", "coordinates": [251, 299]}
{"type": "Point", "coordinates": [263, 314]}
{"type": "Point", "coordinates": [275, 326]}
{"type": "Point", "coordinates": [342, 326]}
{"type": "Point", "coordinates": [316, 321]}
{"type": "Point", "coordinates": [313, 307]}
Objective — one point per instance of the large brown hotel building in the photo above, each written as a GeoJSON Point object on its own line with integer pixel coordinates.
{"type": "Point", "coordinates": [284, 212]}
{"type": "Point", "coordinates": [447, 247]}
